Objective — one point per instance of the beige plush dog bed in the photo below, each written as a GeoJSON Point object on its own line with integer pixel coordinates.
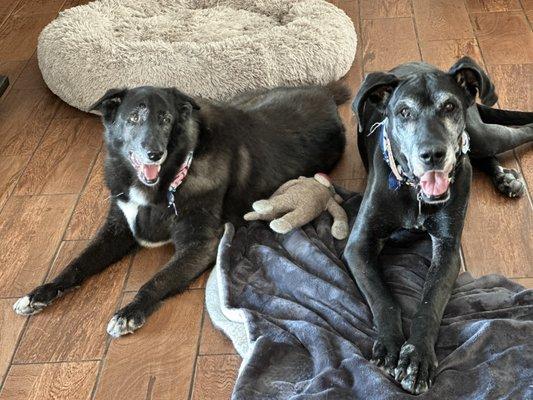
{"type": "Point", "coordinates": [209, 48]}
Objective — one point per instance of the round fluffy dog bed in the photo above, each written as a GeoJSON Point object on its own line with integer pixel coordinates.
{"type": "Point", "coordinates": [209, 48]}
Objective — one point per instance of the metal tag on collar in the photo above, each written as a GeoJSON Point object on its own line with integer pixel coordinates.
{"type": "Point", "coordinates": [465, 143]}
{"type": "Point", "coordinates": [171, 200]}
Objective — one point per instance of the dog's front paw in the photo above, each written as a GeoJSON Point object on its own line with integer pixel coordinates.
{"type": "Point", "coordinates": [416, 367]}
{"type": "Point", "coordinates": [386, 351]}
{"type": "Point", "coordinates": [508, 182]}
{"type": "Point", "coordinates": [38, 299]}
{"type": "Point", "coordinates": [125, 321]}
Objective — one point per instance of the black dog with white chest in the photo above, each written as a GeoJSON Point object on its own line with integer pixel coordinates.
{"type": "Point", "coordinates": [414, 126]}
{"type": "Point", "coordinates": [178, 169]}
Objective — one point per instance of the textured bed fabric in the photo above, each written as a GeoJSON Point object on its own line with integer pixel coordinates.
{"type": "Point", "coordinates": [310, 332]}
{"type": "Point", "coordinates": [209, 48]}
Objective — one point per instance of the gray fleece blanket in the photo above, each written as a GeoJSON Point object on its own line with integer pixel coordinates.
{"type": "Point", "coordinates": [305, 332]}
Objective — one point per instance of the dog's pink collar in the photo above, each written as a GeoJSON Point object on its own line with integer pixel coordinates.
{"type": "Point", "coordinates": [178, 180]}
{"type": "Point", "coordinates": [182, 172]}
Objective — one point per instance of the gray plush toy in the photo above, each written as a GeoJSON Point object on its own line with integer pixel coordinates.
{"type": "Point", "coordinates": [298, 202]}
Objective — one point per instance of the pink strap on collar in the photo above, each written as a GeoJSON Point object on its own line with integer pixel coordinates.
{"type": "Point", "coordinates": [182, 172]}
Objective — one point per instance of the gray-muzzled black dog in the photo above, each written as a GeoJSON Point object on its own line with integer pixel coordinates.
{"type": "Point", "coordinates": [412, 141]}
{"type": "Point", "coordinates": [179, 168]}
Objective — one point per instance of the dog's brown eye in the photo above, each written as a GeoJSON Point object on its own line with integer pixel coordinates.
{"type": "Point", "coordinates": [406, 113]}
{"type": "Point", "coordinates": [134, 118]}
{"type": "Point", "coordinates": [449, 107]}
{"type": "Point", "coordinates": [166, 120]}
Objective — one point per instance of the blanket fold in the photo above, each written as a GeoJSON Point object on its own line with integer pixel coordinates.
{"type": "Point", "coordinates": [305, 332]}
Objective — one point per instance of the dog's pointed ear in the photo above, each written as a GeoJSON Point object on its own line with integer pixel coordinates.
{"type": "Point", "coordinates": [108, 104]}
{"type": "Point", "coordinates": [377, 88]}
{"type": "Point", "coordinates": [474, 80]}
{"type": "Point", "coordinates": [184, 104]}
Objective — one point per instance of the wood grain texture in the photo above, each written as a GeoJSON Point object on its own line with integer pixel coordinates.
{"type": "Point", "coordinates": [74, 327]}
{"type": "Point", "coordinates": [350, 164]}
{"type": "Point", "coordinates": [215, 376]}
{"type": "Point", "coordinates": [498, 231]}
{"type": "Point", "coordinates": [24, 117]}
{"type": "Point", "coordinates": [444, 53]}
{"type": "Point", "coordinates": [11, 326]}
{"type": "Point", "coordinates": [525, 282]}
{"type": "Point", "coordinates": [11, 69]}
{"type": "Point", "coordinates": [159, 357]}
{"type": "Point", "coordinates": [91, 210]}
{"type": "Point", "coordinates": [59, 381]}
{"type": "Point", "coordinates": [354, 185]}
{"type": "Point", "coordinates": [63, 159]}
{"type": "Point", "coordinates": [213, 341]}
{"type": "Point", "coordinates": [492, 5]}
{"type": "Point", "coordinates": [371, 9]}
{"type": "Point", "coordinates": [18, 35]}
{"type": "Point", "coordinates": [32, 7]}
{"type": "Point", "coordinates": [30, 77]}
{"type": "Point", "coordinates": [504, 37]}
{"type": "Point", "coordinates": [441, 19]}
{"type": "Point", "coordinates": [147, 262]}
{"type": "Point", "coordinates": [30, 232]}
{"type": "Point", "coordinates": [7, 6]}
{"type": "Point", "coordinates": [10, 169]}
{"type": "Point", "coordinates": [388, 42]}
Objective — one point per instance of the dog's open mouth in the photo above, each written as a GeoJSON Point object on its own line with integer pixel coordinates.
{"type": "Point", "coordinates": [147, 173]}
{"type": "Point", "coordinates": [435, 186]}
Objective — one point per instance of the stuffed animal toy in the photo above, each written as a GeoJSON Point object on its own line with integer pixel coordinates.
{"type": "Point", "coordinates": [298, 202]}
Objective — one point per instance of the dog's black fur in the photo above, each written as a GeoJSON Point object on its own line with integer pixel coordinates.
{"type": "Point", "coordinates": [243, 151]}
{"type": "Point", "coordinates": [427, 110]}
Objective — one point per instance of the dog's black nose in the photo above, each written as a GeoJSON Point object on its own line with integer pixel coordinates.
{"type": "Point", "coordinates": [433, 155]}
{"type": "Point", "coordinates": [155, 155]}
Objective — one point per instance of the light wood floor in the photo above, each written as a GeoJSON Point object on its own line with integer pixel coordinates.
{"type": "Point", "coordinates": [52, 200]}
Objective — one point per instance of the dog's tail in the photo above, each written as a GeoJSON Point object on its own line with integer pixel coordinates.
{"type": "Point", "coordinates": [340, 91]}
{"type": "Point", "coordinates": [491, 115]}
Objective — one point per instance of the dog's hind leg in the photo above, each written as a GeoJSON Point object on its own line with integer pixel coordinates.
{"type": "Point", "coordinates": [195, 252]}
{"type": "Point", "coordinates": [488, 140]}
{"type": "Point", "coordinates": [112, 243]}
{"type": "Point", "coordinates": [506, 180]}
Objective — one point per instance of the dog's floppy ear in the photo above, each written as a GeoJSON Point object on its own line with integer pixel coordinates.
{"type": "Point", "coordinates": [473, 80]}
{"type": "Point", "coordinates": [377, 88]}
{"type": "Point", "coordinates": [184, 104]}
{"type": "Point", "coordinates": [108, 104]}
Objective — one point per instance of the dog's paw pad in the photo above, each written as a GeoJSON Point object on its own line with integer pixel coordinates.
{"type": "Point", "coordinates": [25, 306]}
{"type": "Point", "coordinates": [122, 325]}
{"type": "Point", "coordinates": [416, 368]}
{"type": "Point", "coordinates": [385, 354]}
{"type": "Point", "coordinates": [508, 182]}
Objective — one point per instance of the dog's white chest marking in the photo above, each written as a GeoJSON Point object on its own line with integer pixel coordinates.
{"type": "Point", "coordinates": [130, 209]}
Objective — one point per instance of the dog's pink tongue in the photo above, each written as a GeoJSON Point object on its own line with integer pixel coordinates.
{"type": "Point", "coordinates": [150, 171]}
{"type": "Point", "coordinates": [434, 183]}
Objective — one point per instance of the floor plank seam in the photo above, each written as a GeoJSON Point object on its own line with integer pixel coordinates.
{"type": "Point", "coordinates": [72, 212]}
{"type": "Point", "coordinates": [19, 339]}
{"type": "Point", "coordinates": [56, 362]}
{"type": "Point", "coordinates": [103, 361]}
{"type": "Point", "coordinates": [415, 25]}
{"type": "Point", "coordinates": [195, 362]}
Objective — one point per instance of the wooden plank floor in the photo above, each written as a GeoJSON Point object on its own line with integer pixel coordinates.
{"type": "Point", "coordinates": [52, 200]}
